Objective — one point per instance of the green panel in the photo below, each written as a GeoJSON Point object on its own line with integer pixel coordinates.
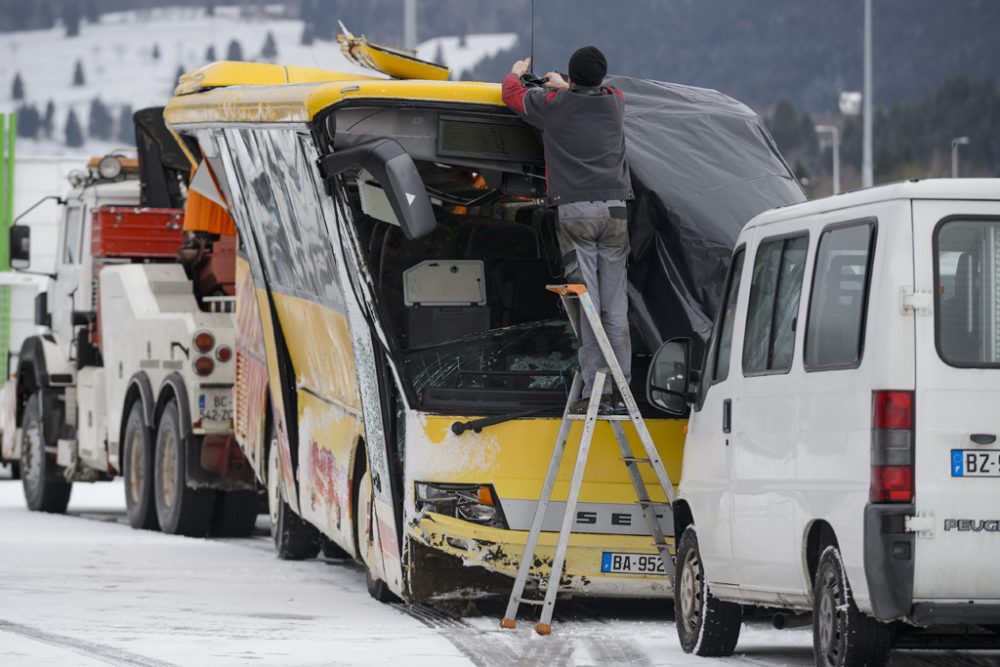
{"type": "Point", "coordinates": [8, 133]}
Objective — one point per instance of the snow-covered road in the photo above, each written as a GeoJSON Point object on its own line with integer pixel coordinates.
{"type": "Point", "coordinates": [87, 590]}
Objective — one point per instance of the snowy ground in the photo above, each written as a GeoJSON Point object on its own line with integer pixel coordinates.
{"type": "Point", "coordinates": [87, 590]}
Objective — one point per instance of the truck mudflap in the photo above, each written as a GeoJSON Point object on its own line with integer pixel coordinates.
{"type": "Point", "coordinates": [889, 560]}
{"type": "Point", "coordinates": [217, 462]}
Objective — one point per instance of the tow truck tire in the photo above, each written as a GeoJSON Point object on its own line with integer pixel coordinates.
{"type": "Point", "coordinates": [706, 626]}
{"type": "Point", "coordinates": [15, 470]}
{"type": "Point", "coordinates": [235, 514]}
{"type": "Point", "coordinates": [45, 490]}
{"type": "Point", "coordinates": [180, 509]}
{"type": "Point", "coordinates": [137, 469]}
{"type": "Point", "coordinates": [294, 539]}
{"type": "Point", "coordinates": [842, 635]}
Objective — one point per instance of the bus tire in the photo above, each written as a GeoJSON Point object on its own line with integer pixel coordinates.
{"type": "Point", "coordinates": [294, 538]}
{"type": "Point", "coordinates": [332, 550]}
{"type": "Point", "coordinates": [706, 626]}
{"type": "Point", "coordinates": [235, 514]}
{"type": "Point", "coordinates": [137, 469]}
{"type": "Point", "coordinates": [377, 588]}
{"type": "Point", "coordinates": [45, 489]}
{"type": "Point", "coordinates": [180, 509]}
{"type": "Point", "coordinates": [842, 635]}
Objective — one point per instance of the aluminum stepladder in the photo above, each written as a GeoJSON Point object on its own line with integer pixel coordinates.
{"type": "Point", "coordinates": [575, 298]}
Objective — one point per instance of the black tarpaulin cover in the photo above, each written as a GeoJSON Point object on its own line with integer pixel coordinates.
{"type": "Point", "coordinates": [702, 165]}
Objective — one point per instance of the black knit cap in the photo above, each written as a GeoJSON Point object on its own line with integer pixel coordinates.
{"type": "Point", "coordinates": [588, 67]}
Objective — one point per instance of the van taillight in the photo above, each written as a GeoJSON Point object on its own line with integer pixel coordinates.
{"type": "Point", "coordinates": [892, 447]}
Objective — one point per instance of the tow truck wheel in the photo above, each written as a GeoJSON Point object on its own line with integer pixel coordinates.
{"type": "Point", "coordinates": [15, 470]}
{"type": "Point", "coordinates": [180, 509]}
{"type": "Point", "coordinates": [137, 468]}
{"type": "Point", "coordinates": [294, 539]}
{"type": "Point", "coordinates": [45, 490]}
{"type": "Point", "coordinates": [235, 514]}
{"type": "Point", "coordinates": [842, 635]}
{"type": "Point", "coordinates": [706, 626]}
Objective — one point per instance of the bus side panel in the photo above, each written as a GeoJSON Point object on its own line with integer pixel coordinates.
{"type": "Point", "coordinates": [250, 386]}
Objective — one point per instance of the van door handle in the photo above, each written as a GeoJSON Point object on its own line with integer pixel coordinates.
{"type": "Point", "coordinates": [727, 416]}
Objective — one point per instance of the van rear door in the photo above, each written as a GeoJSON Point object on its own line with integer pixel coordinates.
{"type": "Point", "coordinates": [956, 248]}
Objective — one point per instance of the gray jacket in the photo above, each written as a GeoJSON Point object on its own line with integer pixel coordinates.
{"type": "Point", "coordinates": [584, 138]}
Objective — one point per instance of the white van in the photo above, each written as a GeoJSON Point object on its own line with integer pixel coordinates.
{"type": "Point", "coordinates": [842, 453]}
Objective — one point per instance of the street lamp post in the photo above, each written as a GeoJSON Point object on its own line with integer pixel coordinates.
{"type": "Point", "coordinates": [410, 24]}
{"type": "Point", "coordinates": [867, 178]}
{"type": "Point", "coordinates": [955, 143]}
{"type": "Point", "coordinates": [835, 138]}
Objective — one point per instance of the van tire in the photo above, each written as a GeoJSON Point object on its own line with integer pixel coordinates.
{"type": "Point", "coordinates": [180, 509]}
{"type": "Point", "coordinates": [137, 470]}
{"type": "Point", "coordinates": [235, 514]}
{"type": "Point", "coordinates": [294, 539]}
{"type": "Point", "coordinates": [706, 626]}
{"type": "Point", "coordinates": [842, 635]}
{"type": "Point", "coordinates": [45, 489]}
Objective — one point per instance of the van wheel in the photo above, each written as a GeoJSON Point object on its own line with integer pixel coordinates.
{"type": "Point", "coordinates": [180, 509]}
{"type": "Point", "coordinates": [45, 489]}
{"type": "Point", "coordinates": [706, 626]}
{"type": "Point", "coordinates": [235, 514]}
{"type": "Point", "coordinates": [137, 468]}
{"type": "Point", "coordinates": [842, 635]}
{"type": "Point", "coordinates": [377, 588]}
{"type": "Point", "coordinates": [294, 539]}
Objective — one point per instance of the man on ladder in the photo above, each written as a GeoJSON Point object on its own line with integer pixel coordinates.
{"type": "Point", "coordinates": [582, 124]}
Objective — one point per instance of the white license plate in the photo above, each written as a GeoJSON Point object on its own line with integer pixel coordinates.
{"type": "Point", "coordinates": [975, 463]}
{"type": "Point", "coordinates": [619, 563]}
{"type": "Point", "coordinates": [215, 405]}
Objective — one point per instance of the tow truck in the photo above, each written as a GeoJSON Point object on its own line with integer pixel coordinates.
{"type": "Point", "coordinates": [133, 374]}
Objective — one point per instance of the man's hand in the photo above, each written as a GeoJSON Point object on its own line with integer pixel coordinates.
{"type": "Point", "coordinates": [520, 68]}
{"type": "Point", "coordinates": [555, 81]}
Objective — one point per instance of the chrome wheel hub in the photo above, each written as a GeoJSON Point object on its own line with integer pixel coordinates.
{"type": "Point", "coordinates": [168, 464]}
{"type": "Point", "coordinates": [136, 471]}
{"type": "Point", "coordinates": [690, 585]}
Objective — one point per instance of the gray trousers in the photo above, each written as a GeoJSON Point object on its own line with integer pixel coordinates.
{"type": "Point", "coordinates": [593, 238]}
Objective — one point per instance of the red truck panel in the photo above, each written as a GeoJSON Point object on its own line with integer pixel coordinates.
{"type": "Point", "coordinates": [125, 231]}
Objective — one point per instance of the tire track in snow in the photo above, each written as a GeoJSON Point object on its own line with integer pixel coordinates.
{"type": "Point", "coordinates": [109, 654]}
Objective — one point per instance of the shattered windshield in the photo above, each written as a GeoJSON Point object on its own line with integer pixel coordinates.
{"type": "Point", "coordinates": [535, 360]}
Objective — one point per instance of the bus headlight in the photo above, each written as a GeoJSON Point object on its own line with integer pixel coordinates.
{"type": "Point", "coordinates": [470, 502]}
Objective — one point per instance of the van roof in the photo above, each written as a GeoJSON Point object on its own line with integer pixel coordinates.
{"type": "Point", "coordinates": [262, 93]}
{"type": "Point", "coordinates": [935, 188]}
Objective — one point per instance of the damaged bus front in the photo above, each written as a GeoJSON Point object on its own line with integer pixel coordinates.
{"type": "Point", "coordinates": [401, 369]}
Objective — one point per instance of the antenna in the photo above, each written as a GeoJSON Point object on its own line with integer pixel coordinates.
{"type": "Point", "coordinates": [531, 54]}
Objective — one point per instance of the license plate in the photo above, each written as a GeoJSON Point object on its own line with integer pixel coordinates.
{"type": "Point", "coordinates": [619, 563]}
{"type": "Point", "coordinates": [975, 463]}
{"type": "Point", "coordinates": [215, 405]}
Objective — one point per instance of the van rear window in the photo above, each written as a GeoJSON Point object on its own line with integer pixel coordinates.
{"type": "Point", "coordinates": [967, 291]}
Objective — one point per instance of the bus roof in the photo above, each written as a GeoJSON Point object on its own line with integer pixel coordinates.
{"type": "Point", "coordinates": [263, 93]}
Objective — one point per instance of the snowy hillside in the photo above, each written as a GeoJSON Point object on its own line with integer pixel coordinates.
{"type": "Point", "coordinates": [132, 58]}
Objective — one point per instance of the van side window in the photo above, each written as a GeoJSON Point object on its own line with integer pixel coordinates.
{"type": "Point", "coordinates": [724, 344]}
{"type": "Point", "coordinates": [839, 298]}
{"type": "Point", "coordinates": [773, 308]}
{"type": "Point", "coordinates": [967, 287]}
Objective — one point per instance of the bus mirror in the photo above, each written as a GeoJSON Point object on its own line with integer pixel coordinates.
{"type": "Point", "coordinates": [20, 247]}
{"type": "Point", "coordinates": [667, 383]}
{"type": "Point", "coordinates": [396, 172]}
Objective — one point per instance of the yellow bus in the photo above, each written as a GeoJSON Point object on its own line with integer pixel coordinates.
{"type": "Point", "coordinates": [401, 370]}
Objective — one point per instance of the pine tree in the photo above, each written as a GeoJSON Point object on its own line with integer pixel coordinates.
{"type": "Point", "coordinates": [178, 74]}
{"type": "Point", "coordinates": [91, 11]}
{"type": "Point", "coordinates": [210, 54]}
{"type": "Point", "coordinates": [17, 90]}
{"type": "Point", "coordinates": [126, 126]}
{"type": "Point", "coordinates": [235, 51]}
{"type": "Point", "coordinates": [308, 35]}
{"type": "Point", "coordinates": [269, 51]}
{"type": "Point", "coordinates": [47, 17]}
{"type": "Point", "coordinates": [100, 123]}
{"type": "Point", "coordinates": [462, 42]}
{"type": "Point", "coordinates": [74, 135]}
{"type": "Point", "coordinates": [71, 17]}
{"type": "Point", "coordinates": [48, 122]}
{"type": "Point", "coordinates": [29, 122]}
{"type": "Point", "coordinates": [210, 9]}
{"type": "Point", "coordinates": [78, 78]}
{"type": "Point", "coordinates": [156, 51]}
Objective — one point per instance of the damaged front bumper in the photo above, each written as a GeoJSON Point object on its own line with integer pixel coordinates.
{"type": "Point", "coordinates": [469, 560]}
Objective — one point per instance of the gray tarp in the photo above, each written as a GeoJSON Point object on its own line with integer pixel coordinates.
{"type": "Point", "coordinates": [702, 165]}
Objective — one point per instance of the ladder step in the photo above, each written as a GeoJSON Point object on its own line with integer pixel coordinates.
{"type": "Point", "coordinates": [633, 459]}
{"type": "Point", "coordinates": [652, 503]}
{"type": "Point", "coordinates": [537, 603]}
{"type": "Point", "coordinates": [607, 418]}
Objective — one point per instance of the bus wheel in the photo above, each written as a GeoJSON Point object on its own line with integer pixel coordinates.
{"type": "Point", "coordinates": [45, 490]}
{"type": "Point", "coordinates": [377, 588]}
{"type": "Point", "coordinates": [706, 626]}
{"type": "Point", "coordinates": [294, 539]}
{"type": "Point", "coordinates": [137, 468]}
{"type": "Point", "coordinates": [235, 514]}
{"type": "Point", "coordinates": [842, 635]}
{"type": "Point", "coordinates": [180, 509]}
